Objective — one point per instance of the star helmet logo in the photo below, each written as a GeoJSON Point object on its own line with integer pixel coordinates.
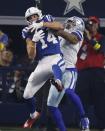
{"type": "Point", "coordinates": [74, 4]}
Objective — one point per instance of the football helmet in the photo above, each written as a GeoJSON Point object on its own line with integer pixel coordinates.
{"type": "Point", "coordinates": [75, 23]}
{"type": "Point", "coordinates": [31, 11]}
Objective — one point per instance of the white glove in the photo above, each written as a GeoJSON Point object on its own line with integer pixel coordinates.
{"type": "Point", "coordinates": [35, 26]}
{"type": "Point", "coordinates": [38, 36]}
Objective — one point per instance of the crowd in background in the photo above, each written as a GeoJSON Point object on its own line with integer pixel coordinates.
{"type": "Point", "coordinates": [13, 66]}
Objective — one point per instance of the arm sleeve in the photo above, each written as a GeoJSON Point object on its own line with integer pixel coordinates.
{"type": "Point", "coordinates": [78, 34]}
{"type": "Point", "coordinates": [26, 35]}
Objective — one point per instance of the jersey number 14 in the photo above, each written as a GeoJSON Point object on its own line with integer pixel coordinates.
{"type": "Point", "coordinates": [50, 38]}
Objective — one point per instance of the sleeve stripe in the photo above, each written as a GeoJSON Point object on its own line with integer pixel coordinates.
{"type": "Point", "coordinates": [78, 34]}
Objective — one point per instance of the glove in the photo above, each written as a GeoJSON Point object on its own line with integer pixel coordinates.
{"type": "Point", "coordinates": [38, 36]}
{"type": "Point", "coordinates": [35, 26]}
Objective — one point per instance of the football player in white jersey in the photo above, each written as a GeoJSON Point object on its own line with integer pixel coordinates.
{"type": "Point", "coordinates": [45, 47]}
{"type": "Point", "coordinates": [72, 38]}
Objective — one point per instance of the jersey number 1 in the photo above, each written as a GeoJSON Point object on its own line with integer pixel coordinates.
{"type": "Point", "coordinates": [50, 38]}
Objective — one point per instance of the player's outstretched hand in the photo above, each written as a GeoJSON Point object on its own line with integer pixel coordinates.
{"type": "Point", "coordinates": [35, 26]}
{"type": "Point", "coordinates": [38, 35]}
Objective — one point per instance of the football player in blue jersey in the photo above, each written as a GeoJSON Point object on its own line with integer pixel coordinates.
{"type": "Point", "coordinates": [45, 47]}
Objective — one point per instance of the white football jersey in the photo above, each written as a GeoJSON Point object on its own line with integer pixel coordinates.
{"type": "Point", "coordinates": [70, 51]}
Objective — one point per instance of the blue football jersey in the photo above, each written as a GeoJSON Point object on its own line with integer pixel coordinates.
{"type": "Point", "coordinates": [50, 44]}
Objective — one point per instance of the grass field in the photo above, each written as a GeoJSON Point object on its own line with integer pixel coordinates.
{"type": "Point", "coordinates": [33, 129]}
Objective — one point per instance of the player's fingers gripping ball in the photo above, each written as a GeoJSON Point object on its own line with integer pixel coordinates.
{"type": "Point", "coordinates": [38, 35]}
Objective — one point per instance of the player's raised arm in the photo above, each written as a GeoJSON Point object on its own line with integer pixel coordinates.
{"type": "Point", "coordinates": [53, 25]}
{"type": "Point", "coordinates": [68, 36]}
{"type": "Point", "coordinates": [47, 21]}
{"type": "Point", "coordinates": [31, 48]}
{"type": "Point", "coordinates": [30, 45]}
{"type": "Point", "coordinates": [74, 28]}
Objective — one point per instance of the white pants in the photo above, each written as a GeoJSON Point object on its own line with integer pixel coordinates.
{"type": "Point", "coordinates": [69, 79]}
{"type": "Point", "coordinates": [42, 73]}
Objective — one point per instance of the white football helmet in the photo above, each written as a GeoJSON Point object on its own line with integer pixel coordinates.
{"type": "Point", "coordinates": [31, 11]}
{"type": "Point", "coordinates": [75, 23]}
